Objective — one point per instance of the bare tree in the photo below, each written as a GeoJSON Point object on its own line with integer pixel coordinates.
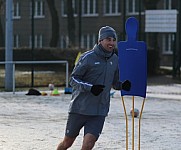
{"type": "Point", "coordinates": [55, 23]}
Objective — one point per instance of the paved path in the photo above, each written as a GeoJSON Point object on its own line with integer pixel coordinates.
{"type": "Point", "coordinates": [38, 122]}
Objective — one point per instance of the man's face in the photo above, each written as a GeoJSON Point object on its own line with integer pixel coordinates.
{"type": "Point", "coordinates": [108, 43]}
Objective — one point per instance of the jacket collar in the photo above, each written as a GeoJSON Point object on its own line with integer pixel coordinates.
{"type": "Point", "coordinates": [99, 50]}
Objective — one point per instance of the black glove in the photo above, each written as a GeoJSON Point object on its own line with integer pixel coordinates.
{"type": "Point", "coordinates": [126, 85]}
{"type": "Point", "coordinates": [97, 89]}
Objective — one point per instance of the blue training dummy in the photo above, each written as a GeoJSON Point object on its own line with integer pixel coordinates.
{"type": "Point", "coordinates": [133, 60]}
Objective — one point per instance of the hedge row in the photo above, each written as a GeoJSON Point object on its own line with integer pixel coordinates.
{"type": "Point", "coordinates": [45, 54]}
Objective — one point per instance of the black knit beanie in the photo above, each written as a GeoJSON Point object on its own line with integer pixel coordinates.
{"type": "Point", "coordinates": [106, 32]}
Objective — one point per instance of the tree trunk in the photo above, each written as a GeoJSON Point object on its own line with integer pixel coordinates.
{"type": "Point", "coordinates": [55, 23]}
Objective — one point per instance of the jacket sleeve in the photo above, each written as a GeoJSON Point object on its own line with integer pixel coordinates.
{"type": "Point", "coordinates": [77, 76]}
{"type": "Point", "coordinates": [117, 85]}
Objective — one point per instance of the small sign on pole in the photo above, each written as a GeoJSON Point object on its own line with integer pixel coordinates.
{"type": "Point", "coordinates": [161, 21]}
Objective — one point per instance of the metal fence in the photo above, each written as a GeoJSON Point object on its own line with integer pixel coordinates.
{"type": "Point", "coordinates": [14, 63]}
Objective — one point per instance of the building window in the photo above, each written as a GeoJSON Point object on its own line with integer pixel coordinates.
{"type": "Point", "coordinates": [112, 7]}
{"type": "Point", "coordinates": [38, 41]}
{"type": "Point", "coordinates": [133, 6]}
{"type": "Point", "coordinates": [88, 41]}
{"type": "Point", "coordinates": [16, 40]}
{"type": "Point", "coordinates": [16, 10]}
{"type": "Point", "coordinates": [90, 8]}
{"type": "Point", "coordinates": [64, 41]}
{"type": "Point", "coordinates": [39, 11]}
{"type": "Point", "coordinates": [167, 4]}
{"type": "Point", "coordinates": [168, 43]}
{"type": "Point", "coordinates": [74, 5]}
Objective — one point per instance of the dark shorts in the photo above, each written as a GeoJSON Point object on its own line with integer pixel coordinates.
{"type": "Point", "coordinates": [91, 124]}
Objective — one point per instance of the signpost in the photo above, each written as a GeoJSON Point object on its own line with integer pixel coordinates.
{"type": "Point", "coordinates": [9, 47]}
{"type": "Point", "coordinates": [166, 21]}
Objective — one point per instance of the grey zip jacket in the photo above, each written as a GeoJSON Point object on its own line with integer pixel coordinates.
{"type": "Point", "coordinates": [94, 67]}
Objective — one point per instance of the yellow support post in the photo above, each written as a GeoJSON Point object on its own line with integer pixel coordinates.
{"type": "Point", "coordinates": [126, 118]}
{"type": "Point", "coordinates": [133, 123]}
{"type": "Point", "coordinates": [139, 132]}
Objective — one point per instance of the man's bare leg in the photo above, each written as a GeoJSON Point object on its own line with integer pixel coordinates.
{"type": "Point", "coordinates": [66, 143]}
{"type": "Point", "coordinates": [88, 142]}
